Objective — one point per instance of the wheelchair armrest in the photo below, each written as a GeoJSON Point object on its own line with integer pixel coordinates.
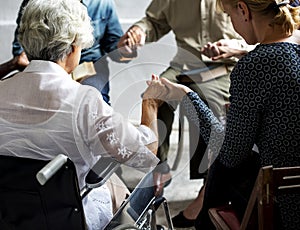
{"type": "Point", "coordinates": [101, 171]}
{"type": "Point", "coordinates": [51, 168]}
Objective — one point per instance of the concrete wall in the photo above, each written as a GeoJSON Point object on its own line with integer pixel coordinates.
{"type": "Point", "coordinates": [8, 15]}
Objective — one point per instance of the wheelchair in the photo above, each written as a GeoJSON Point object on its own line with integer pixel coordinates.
{"type": "Point", "coordinates": [37, 194]}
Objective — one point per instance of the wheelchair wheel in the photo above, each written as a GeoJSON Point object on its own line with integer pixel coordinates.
{"type": "Point", "coordinates": [126, 227]}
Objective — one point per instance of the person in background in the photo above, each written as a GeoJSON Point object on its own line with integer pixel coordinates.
{"type": "Point", "coordinates": [107, 32]}
{"type": "Point", "coordinates": [44, 112]}
{"type": "Point", "coordinates": [295, 3]}
{"type": "Point", "coordinates": [264, 110]}
{"type": "Point", "coordinates": [202, 35]}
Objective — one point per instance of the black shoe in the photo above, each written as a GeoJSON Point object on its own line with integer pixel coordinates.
{"type": "Point", "coordinates": [180, 221]}
{"type": "Point", "coordinates": [159, 227]}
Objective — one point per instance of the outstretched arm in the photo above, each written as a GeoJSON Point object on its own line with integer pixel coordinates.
{"type": "Point", "coordinates": [16, 63]}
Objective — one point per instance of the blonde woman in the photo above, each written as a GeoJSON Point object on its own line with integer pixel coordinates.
{"type": "Point", "coordinates": [264, 109]}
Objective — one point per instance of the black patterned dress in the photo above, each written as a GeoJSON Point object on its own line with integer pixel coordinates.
{"type": "Point", "coordinates": [264, 110]}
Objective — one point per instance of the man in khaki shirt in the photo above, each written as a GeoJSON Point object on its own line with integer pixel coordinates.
{"type": "Point", "coordinates": [199, 29]}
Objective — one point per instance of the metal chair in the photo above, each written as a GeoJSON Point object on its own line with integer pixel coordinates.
{"type": "Point", "coordinates": [138, 211]}
{"type": "Point", "coordinates": [45, 194]}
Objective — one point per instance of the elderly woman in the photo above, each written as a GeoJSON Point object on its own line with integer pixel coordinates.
{"type": "Point", "coordinates": [43, 112]}
{"type": "Point", "coordinates": [264, 109]}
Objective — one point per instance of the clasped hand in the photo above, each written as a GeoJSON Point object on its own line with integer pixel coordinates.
{"type": "Point", "coordinates": [131, 40]}
{"type": "Point", "coordinates": [221, 49]}
{"type": "Point", "coordinates": [164, 90]}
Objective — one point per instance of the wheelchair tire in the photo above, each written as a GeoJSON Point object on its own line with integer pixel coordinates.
{"type": "Point", "coordinates": [126, 227]}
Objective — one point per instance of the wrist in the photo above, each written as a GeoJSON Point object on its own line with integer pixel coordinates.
{"type": "Point", "coordinates": [149, 111]}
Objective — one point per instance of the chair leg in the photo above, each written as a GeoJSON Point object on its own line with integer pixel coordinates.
{"type": "Point", "coordinates": [180, 140]}
{"type": "Point", "coordinates": [168, 216]}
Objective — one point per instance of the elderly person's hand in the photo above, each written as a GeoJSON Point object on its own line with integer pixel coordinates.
{"type": "Point", "coordinates": [221, 49]}
{"type": "Point", "coordinates": [165, 90]}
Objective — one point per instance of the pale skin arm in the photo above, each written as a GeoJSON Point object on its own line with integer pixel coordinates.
{"type": "Point", "coordinates": [165, 90]}
{"type": "Point", "coordinates": [150, 106]}
{"type": "Point", "coordinates": [222, 49]}
{"type": "Point", "coordinates": [149, 119]}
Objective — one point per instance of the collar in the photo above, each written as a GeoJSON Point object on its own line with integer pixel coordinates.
{"type": "Point", "coordinates": [45, 67]}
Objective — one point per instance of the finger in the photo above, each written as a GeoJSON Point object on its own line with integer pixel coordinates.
{"type": "Point", "coordinates": [221, 56]}
{"type": "Point", "coordinates": [139, 34]}
{"type": "Point", "coordinates": [126, 49]}
{"type": "Point", "coordinates": [155, 77]}
{"type": "Point", "coordinates": [219, 43]}
{"type": "Point", "coordinates": [209, 44]}
{"type": "Point", "coordinates": [130, 40]}
{"type": "Point", "coordinates": [215, 51]}
{"type": "Point", "coordinates": [167, 83]}
{"type": "Point", "coordinates": [134, 36]}
{"type": "Point", "coordinates": [204, 51]}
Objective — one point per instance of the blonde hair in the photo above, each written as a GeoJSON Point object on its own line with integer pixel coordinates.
{"type": "Point", "coordinates": [49, 28]}
{"type": "Point", "coordinates": [283, 14]}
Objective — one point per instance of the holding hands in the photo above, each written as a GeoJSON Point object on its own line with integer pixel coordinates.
{"type": "Point", "coordinates": [161, 90]}
{"type": "Point", "coordinates": [165, 90]}
{"type": "Point", "coordinates": [133, 38]}
{"type": "Point", "coordinates": [222, 49]}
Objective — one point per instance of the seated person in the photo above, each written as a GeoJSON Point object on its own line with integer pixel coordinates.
{"type": "Point", "coordinates": [264, 110]}
{"type": "Point", "coordinates": [200, 32]}
{"type": "Point", "coordinates": [106, 36]}
{"type": "Point", "coordinates": [44, 112]}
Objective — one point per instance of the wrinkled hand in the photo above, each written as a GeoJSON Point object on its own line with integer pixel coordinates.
{"type": "Point", "coordinates": [131, 40]}
{"type": "Point", "coordinates": [154, 90]}
{"type": "Point", "coordinates": [165, 90]}
{"type": "Point", "coordinates": [21, 62]}
{"type": "Point", "coordinates": [221, 50]}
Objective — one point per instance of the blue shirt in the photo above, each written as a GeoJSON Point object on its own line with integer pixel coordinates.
{"type": "Point", "coordinates": [107, 29]}
{"type": "Point", "coordinates": [295, 3]}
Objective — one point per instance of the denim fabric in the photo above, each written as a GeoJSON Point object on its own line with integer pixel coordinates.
{"type": "Point", "coordinates": [107, 29]}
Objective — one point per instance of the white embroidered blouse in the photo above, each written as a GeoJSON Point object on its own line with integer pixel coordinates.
{"type": "Point", "coordinates": [43, 112]}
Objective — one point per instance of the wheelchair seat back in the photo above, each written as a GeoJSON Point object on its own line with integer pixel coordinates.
{"type": "Point", "coordinates": [25, 204]}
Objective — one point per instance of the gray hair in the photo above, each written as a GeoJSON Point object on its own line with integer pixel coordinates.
{"type": "Point", "coordinates": [49, 28]}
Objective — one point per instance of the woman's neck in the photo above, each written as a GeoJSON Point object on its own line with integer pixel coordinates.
{"type": "Point", "coordinates": [293, 38]}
